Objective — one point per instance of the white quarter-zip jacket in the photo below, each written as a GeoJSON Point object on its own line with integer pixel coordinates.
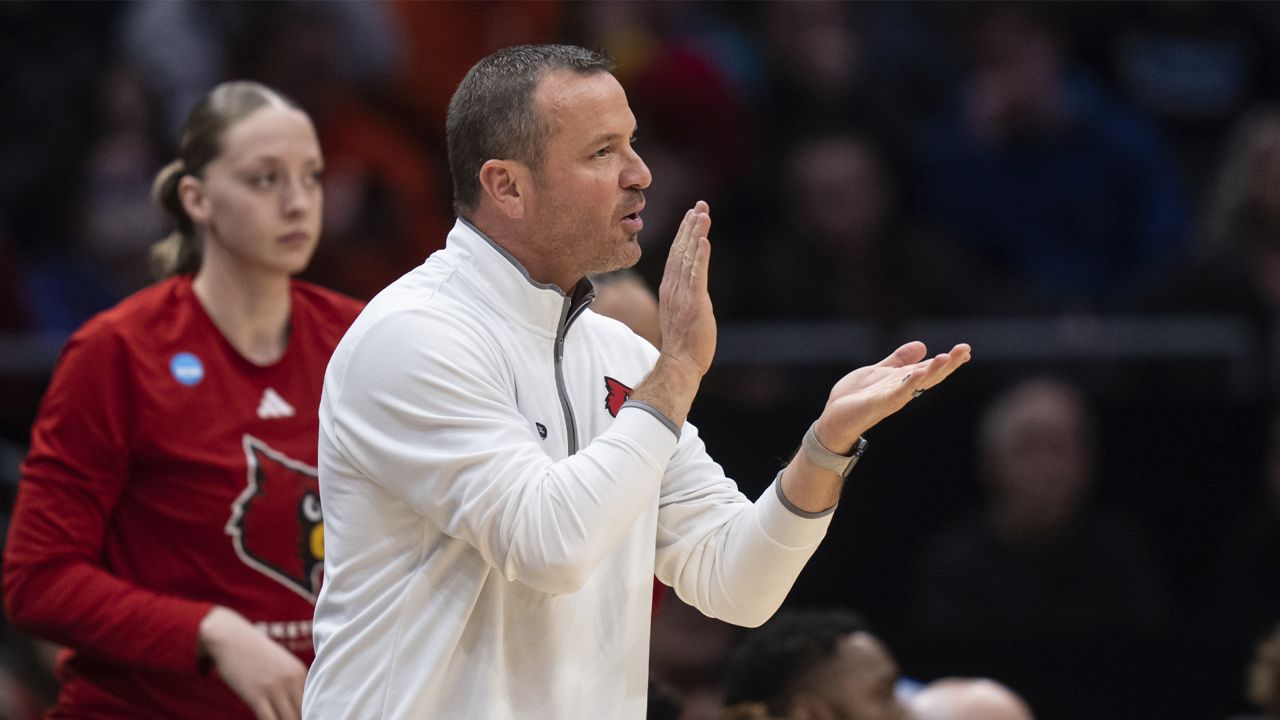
{"type": "Point", "coordinates": [492, 529]}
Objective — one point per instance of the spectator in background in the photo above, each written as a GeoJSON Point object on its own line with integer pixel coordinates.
{"type": "Point", "coordinates": [182, 49]}
{"type": "Point", "coordinates": [624, 296]}
{"type": "Point", "coordinates": [689, 653]}
{"type": "Point", "coordinates": [1263, 687]}
{"type": "Point", "coordinates": [847, 248]}
{"type": "Point", "coordinates": [1193, 67]}
{"type": "Point", "coordinates": [967, 699]}
{"type": "Point", "coordinates": [1236, 268]}
{"type": "Point", "coordinates": [1243, 600]}
{"type": "Point", "coordinates": [386, 209]}
{"type": "Point", "coordinates": [52, 59]}
{"type": "Point", "coordinates": [1066, 198]}
{"type": "Point", "coordinates": [443, 39]}
{"type": "Point", "coordinates": [167, 527]}
{"type": "Point", "coordinates": [117, 218]}
{"type": "Point", "coordinates": [812, 664]}
{"type": "Point", "coordinates": [1041, 588]}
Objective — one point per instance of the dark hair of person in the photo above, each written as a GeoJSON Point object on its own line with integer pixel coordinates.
{"type": "Point", "coordinates": [772, 663]}
{"type": "Point", "coordinates": [492, 113]}
{"type": "Point", "coordinates": [201, 143]}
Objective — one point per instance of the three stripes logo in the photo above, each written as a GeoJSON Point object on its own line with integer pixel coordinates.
{"type": "Point", "coordinates": [272, 406]}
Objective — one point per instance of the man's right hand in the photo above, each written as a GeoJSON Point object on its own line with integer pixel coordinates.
{"type": "Point", "coordinates": [687, 320]}
{"type": "Point", "coordinates": [262, 673]}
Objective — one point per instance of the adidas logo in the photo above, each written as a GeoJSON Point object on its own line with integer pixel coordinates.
{"type": "Point", "coordinates": [273, 406]}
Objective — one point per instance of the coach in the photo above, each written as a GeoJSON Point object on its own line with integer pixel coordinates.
{"type": "Point", "coordinates": [503, 471]}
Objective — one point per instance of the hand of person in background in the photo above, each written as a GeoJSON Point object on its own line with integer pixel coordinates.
{"type": "Point", "coordinates": [266, 676]}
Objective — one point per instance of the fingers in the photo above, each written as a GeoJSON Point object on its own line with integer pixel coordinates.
{"type": "Point", "coordinates": [701, 263]}
{"type": "Point", "coordinates": [282, 702]}
{"type": "Point", "coordinates": [264, 709]}
{"type": "Point", "coordinates": [909, 354]}
{"type": "Point", "coordinates": [292, 708]}
{"type": "Point", "coordinates": [675, 256]}
{"type": "Point", "coordinates": [690, 252]}
{"type": "Point", "coordinates": [701, 226]}
{"type": "Point", "coordinates": [929, 373]}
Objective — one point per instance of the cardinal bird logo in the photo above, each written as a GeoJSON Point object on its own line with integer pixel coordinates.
{"type": "Point", "coordinates": [276, 525]}
{"type": "Point", "coordinates": [617, 394]}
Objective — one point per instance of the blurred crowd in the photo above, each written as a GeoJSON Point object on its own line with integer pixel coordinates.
{"type": "Point", "coordinates": [1103, 555]}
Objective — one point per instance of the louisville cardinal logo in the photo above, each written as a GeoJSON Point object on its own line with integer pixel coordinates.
{"type": "Point", "coordinates": [276, 525]}
{"type": "Point", "coordinates": [617, 393]}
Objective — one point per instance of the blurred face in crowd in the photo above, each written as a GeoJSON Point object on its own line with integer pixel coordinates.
{"type": "Point", "coordinates": [1265, 180]}
{"type": "Point", "coordinates": [1039, 461]}
{"type": "Point", "coordinates": [1015, 86]}
{"type": "Point", "coordinates": [587, 192]}
{"type": "Point", "coordinates": [816, 45]}
{"type": "Point", "coordinates": [258, 204]}
{"type": "Point", "coordinates": [824, 174]}
{"type": "Point", "coordinates": [857, 684]}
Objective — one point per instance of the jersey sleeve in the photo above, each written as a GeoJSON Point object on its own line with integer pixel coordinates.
{"type": "Point", "coordinates": [55, 584]}
{"type": "Point", "coordinates": [733, 559]}
{"type": "Point", "coordinates": [436, 424]}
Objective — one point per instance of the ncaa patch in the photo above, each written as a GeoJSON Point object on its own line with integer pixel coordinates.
{"type": "Point", "coordinates": [187, 368]}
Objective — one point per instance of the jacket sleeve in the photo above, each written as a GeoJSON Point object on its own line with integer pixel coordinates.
{"type": "Point", "coordinates": [731, 558]}
{"type": "Point", "coordinates": [55, 585]}
{"type": "Point", "coordinates": [436, 423]}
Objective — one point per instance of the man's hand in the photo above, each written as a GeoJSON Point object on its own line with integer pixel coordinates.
{"type": "Point", "coordinates": [262, 673]}
{"type": "Point", "coordinates": [687, 320]}
{"type": "Point", "coordinates": [857, 402]}
{"type": "Point", "coordinates": [868, 395]}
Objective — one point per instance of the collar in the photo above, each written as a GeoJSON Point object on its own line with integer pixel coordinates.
{"type": "Point", "coordinates": [543, 306]}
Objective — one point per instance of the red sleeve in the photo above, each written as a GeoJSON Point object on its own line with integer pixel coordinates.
{"type": "Point", "coordinates": [55, 585]}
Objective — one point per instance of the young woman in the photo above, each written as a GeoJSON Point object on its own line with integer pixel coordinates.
{"type": "Point", "coordinates": [168, 526]}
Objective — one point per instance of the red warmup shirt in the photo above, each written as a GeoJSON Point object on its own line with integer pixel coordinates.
{"type": "Point", "coordinates": [167, 474]}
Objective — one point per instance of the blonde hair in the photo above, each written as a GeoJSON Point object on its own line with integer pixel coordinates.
{"type": "Point", "coordinates": [201, 143]}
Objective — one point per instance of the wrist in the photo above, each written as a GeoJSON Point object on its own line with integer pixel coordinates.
{"type": "Point", "coordinates": [818, 453]}
{"type": "Point", "coordinates": [670, 388]}
{"type": "Point", "coordinates": [213, 629]}
{"type": "Point", "coordinates": [837, 442]}
{"type": "Point", "coordinates": [680, 372]}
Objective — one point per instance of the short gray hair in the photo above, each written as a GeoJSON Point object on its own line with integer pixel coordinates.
{"type": "Point", "coordinates": [492, 114]}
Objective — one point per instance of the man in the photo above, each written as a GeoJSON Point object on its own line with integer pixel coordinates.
{"type": "Point", "coordinates": [813, 665]}
{"type": "Point", "coordinates": [1044, 586]}
{"type": "Point", "coordinates": [504, 471]}
{"type": "Point", "coordinates": [967, 699]}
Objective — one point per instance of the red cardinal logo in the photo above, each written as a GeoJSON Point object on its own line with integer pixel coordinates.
{"type": "Point", "coordinates": [276, 525]}
{"type": "Point", "coordinates": [617, 394]}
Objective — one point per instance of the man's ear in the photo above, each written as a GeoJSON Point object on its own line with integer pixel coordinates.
{"type": "Point", "coordinates": [194, 201]}
{"type": "Point", "coordinates": [506, 183]}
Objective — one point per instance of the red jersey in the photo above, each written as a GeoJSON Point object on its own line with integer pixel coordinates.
{"type": "Point", "coordinates": [168, 474]}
